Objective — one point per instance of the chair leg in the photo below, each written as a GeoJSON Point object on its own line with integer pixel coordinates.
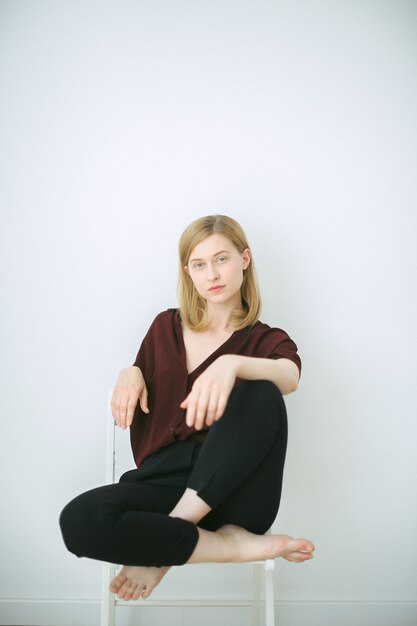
{"type": "Point", "coordinates": [109, 569]}
{"type": "Point", "coordinates": [269, 593]}
{"type": "Point", "coordinates": [107, 598]}
{"type": "Point", "coordinates": [256, 594]}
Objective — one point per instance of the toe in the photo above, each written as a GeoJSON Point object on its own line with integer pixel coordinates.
{"type": "Point", "coordinates": [124, 590]}
{"type": "Point", "coordinates": [137, 593]}
{"type": "Point", "coordinates": [117, 582]}
{"type": "Point", "coordinates": [146, 592]}
{"type": "Point", "coordinates": [131, 592]}
{"type": "Point", "coordinates": [306, 546]}
{"type": "Point", "coordinates": [300, 546]}
{"type": "Point", "coordinates": [298, 557]}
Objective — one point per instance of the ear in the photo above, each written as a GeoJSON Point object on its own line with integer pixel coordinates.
{"type": "Point", "coordinates": [186, 269]}
{"type": "Point", "coordinates": [246, 256]}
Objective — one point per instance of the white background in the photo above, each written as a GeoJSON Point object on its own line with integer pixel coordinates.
{"type": "Point", "coordinates": [121, 122]}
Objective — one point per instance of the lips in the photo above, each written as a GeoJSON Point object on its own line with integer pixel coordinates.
{"type": "Point", "coordinates": [216, 288]}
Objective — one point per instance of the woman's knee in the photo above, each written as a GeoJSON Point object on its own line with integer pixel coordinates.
{"type": "Point", "coordinates": [259, 398]}
{"type": "Point", "coordinates": [264, 390]}
{"type": "Point", "coordinates": [68, 522]}
{"type": "Point", "coordinates": [80, 521]}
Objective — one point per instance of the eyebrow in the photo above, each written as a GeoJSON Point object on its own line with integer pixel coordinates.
{"type": "Point", "coordinates": [217, 253]}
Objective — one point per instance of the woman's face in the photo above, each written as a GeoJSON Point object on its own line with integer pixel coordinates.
{"type": "Point", "coordinates": [216, 269]}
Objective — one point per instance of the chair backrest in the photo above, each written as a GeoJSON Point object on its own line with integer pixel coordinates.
{"type": "Point", "coordinates": [110, 440]}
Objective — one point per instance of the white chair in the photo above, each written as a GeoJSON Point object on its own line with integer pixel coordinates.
{"type": "Point", "coordinates": [109, 601]}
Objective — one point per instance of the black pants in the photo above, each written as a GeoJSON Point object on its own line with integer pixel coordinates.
{"type": "Point", "coordinates": [237, 471]}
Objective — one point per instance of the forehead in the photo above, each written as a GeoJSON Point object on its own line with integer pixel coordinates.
{"type": "Point", "coordinates": [211, 245]}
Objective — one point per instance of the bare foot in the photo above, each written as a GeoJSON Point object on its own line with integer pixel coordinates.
{"type": "Point", "coordinates": [246, 546]}
{"type": "Point", "coordinates": [133, 582]}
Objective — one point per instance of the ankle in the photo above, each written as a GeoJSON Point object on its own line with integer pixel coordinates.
{"type": "Point", "coordinates": [190, 507]}
{"type": "Point", "coordinates": [228, 547]}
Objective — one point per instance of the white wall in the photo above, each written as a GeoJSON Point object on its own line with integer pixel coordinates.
{"type": "Point", "coordinates": [121, 122]}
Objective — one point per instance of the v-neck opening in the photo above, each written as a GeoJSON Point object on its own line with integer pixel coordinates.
{"type": "Point", "coordinates": [181, 334]}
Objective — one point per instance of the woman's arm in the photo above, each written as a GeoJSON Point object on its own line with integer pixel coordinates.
{"type": "Point", "coordinates": [208, 397]}
{"type": "Point", "coordinates": [130, 388]}
{"type": "Point", "coordinates": [282, 372]}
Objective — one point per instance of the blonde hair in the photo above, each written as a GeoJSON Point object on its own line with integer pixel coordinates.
{"type": "Point", "coordinates": [193, 308]}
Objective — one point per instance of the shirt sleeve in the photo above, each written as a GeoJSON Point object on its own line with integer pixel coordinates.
{"type": "Point", "coordinates": [281, 346]}
{"type": "Point", "coordinates": [145, 358]}
{"type": "Point", "coordinates": [140, 360]}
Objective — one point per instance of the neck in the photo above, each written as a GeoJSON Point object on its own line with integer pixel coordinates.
{"type": "Point", "coordinates": [220, 315]}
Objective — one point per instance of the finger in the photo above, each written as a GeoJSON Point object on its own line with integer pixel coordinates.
{"type": "Point", "coordinates": [115, 403]}
{"type": "Point", "coordinates": [144, 400]}
{"type": "Point", "coordinates": [211, 409]}
{"type": "Point", "coordinates": [123, 412]}
{"type": "Point", "coordinates": [191, 408]}
{"type": "Point", "coordinates": [131, 406]}
{"type": "Point", "coordinates": [201, 411]}
{"type": "Point", "coordinates": [221, 407]}
{"type": "Point", "coordinates": [113, 407]}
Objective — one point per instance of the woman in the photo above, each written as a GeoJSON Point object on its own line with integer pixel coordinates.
{"type": "Point", "coordinates": [208, 428]}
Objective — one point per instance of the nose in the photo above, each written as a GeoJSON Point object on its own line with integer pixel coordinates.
{"type": "Point", "coordinates": [212, 271]}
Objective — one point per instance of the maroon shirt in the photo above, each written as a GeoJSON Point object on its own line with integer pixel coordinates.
{"type": "Point", "coordinates": [162, 361]}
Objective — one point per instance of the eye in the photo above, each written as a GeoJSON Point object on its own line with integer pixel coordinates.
{"type": "Point", "coordinates": [197, 266]}
{"type": "Point", "coordinates": [221, 259]}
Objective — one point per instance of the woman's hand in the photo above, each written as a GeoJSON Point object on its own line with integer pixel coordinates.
{"type": "Point", "coordinates": [208, 397]}
{"type": "Point", "coordinates": [130, 388]}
